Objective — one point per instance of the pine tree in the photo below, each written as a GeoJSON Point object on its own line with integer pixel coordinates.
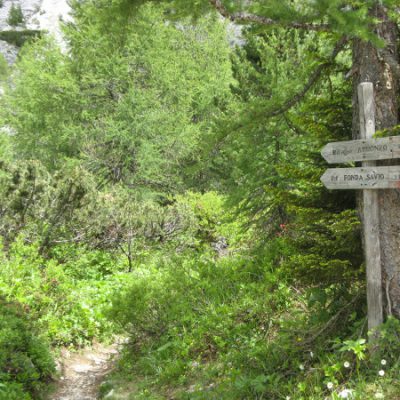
{"type": "Point", "coordinates": [374, 59]}
{"type": "Point", "coordinates": [372, 30]}
{"type": "Point", "coordinates": [15, 16]}
{"type": "Point", "coordinates": [132, 101]}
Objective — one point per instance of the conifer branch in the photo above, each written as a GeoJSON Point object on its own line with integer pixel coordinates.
{"type": "Point", "coordinates": [311, 81]}
{"type": "Point", "coordinates": [244, 17]}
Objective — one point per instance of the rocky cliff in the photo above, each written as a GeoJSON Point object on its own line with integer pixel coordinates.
{"type": "Point", "coordinates": [37, 16]}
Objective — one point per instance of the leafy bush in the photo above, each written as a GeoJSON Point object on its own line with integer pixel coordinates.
{"type": "Point", "coordinates": [192, 319]}
{"type": "Point", "coordinates": [233, 329]}
{"type": "Point", "coordinates": [68, 304]}
{"type": "Point", "coordinates": [25, 360]}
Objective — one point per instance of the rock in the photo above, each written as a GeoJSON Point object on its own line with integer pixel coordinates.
{"type": "Point", "coordinates": [39, 15]}
{"type": "Point", "coordinates": [9, 52]}
{"type": "Point", "coordinates": [49, 16]}
{"type": "Point", "coordinates": [82, 368]}
{"type": "Point", "coordinates": [59, 367]}
{"type": "Point", "coordinates": [221, 247]}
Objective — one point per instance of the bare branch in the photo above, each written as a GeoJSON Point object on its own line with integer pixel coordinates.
{"type": "Point", "coordinates": [244, 17]}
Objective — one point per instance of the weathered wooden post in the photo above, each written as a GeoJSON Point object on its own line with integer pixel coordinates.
{"type": "Point", "coordinates": [369, 178]}
{"type": "Point", "coordinates": [371, 214]}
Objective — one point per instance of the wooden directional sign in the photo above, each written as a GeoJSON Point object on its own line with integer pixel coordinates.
{"type": "Point", "coordinates": [362, 150]}
{"type": "Point", "coordinates": [362, 178]}
{"type": "Point", "coordinates": [368, 177]}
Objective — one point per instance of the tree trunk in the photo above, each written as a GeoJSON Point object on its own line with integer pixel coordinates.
{"type": "Point", "coordinates": [377, 66]}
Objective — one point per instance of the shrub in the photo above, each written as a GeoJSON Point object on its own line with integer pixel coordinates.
{"type": "Point", "coordinates": [13, 391]}
{"type": "Point", "coordinates": [15, 16]}
{"type": "Point", "coordinates": [25, 360]}
{"type": "Point", "coordinates": [67, 303]}
{"type": "Point", "coordinates": [203, 315]}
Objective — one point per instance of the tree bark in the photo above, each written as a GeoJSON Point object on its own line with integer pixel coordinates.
{"type": "Point", "coordinates": [371, 64]}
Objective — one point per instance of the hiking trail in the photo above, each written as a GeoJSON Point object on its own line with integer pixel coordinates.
{"type": "Point", "coordinates": [81, 373]}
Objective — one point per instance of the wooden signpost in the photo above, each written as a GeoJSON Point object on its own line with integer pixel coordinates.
{"type": "Point", "coordinates": [369, 177]}
{"type": "Point", "coordinates": [362, 178]}
{"type": "Point", "coordinates": [362, 150]}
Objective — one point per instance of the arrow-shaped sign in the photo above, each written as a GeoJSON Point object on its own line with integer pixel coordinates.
{"type": "Point", "coordinates": [362, 178]}
{"type": "Point", "coordinates": [362, 150]}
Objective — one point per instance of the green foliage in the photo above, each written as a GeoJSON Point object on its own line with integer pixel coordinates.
{"type": "Point", "coordinates": [44, 206]}
{"type": "Point", "coordinates": [212, 223]}
{"type": "Point", "coordinates": [326, 250]}
{"type": "Point", "coordinates": [44, 103]}
{"type": "Point", "coordinates": [235, 327]}
{"type": "Point", "coordinates": [183, 319]}
{"type": "Point", "coordinates": [66, 295]}
{"type": "Point", "coordinates": [19, 37]}
{"type": "Point", "coordinates": [271, 165]}
{"type": "Point", "coordinates": [155, 180]}
{"type": "Point", "coordinates": [4, 70]}
{"type": "Point", "coordinates": [358, 347]}
{"type": "Point", "coordinates": [232, 329]}
{"type": "Point", "coordinates": [25, 361]}
{"type": "Point", "coordinates": [340, 17]}
{"type": "Point", "coordinates": [225, 329]}
{"type": "Point", "coordinates": [5, 149]}
{"type": "Point", "coordinates": [95, 105]}
{"type": "Point", "coordinates": [387, 346]}
{"type": "Point", "coordinates": [15, 15]}
{"type": "Point", "coordinates": [322, 227]}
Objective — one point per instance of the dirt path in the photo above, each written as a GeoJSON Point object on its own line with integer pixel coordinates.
{"type": "Point", "coordinates": [83, 372]}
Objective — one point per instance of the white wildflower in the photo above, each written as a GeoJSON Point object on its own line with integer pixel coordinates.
{"type": "Point", "coordinates": [379, 395]}
{"type": "Point", "coordinates": [287, 397]}
{"type": "Point", "coordinates": [345, 394]}
{"type": "Point", "coordinates": [346, 364]}
{"type": "Point", "coordinates": [329, 385]}
{"type": "Point", "coordinates": [301, 367]}
{"type": "Point", "coordinates": [381, 372]}
{"type": "Point", "coordinates": [311, 354]}
{"type": "Point", "coordinates": [383, 362]}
